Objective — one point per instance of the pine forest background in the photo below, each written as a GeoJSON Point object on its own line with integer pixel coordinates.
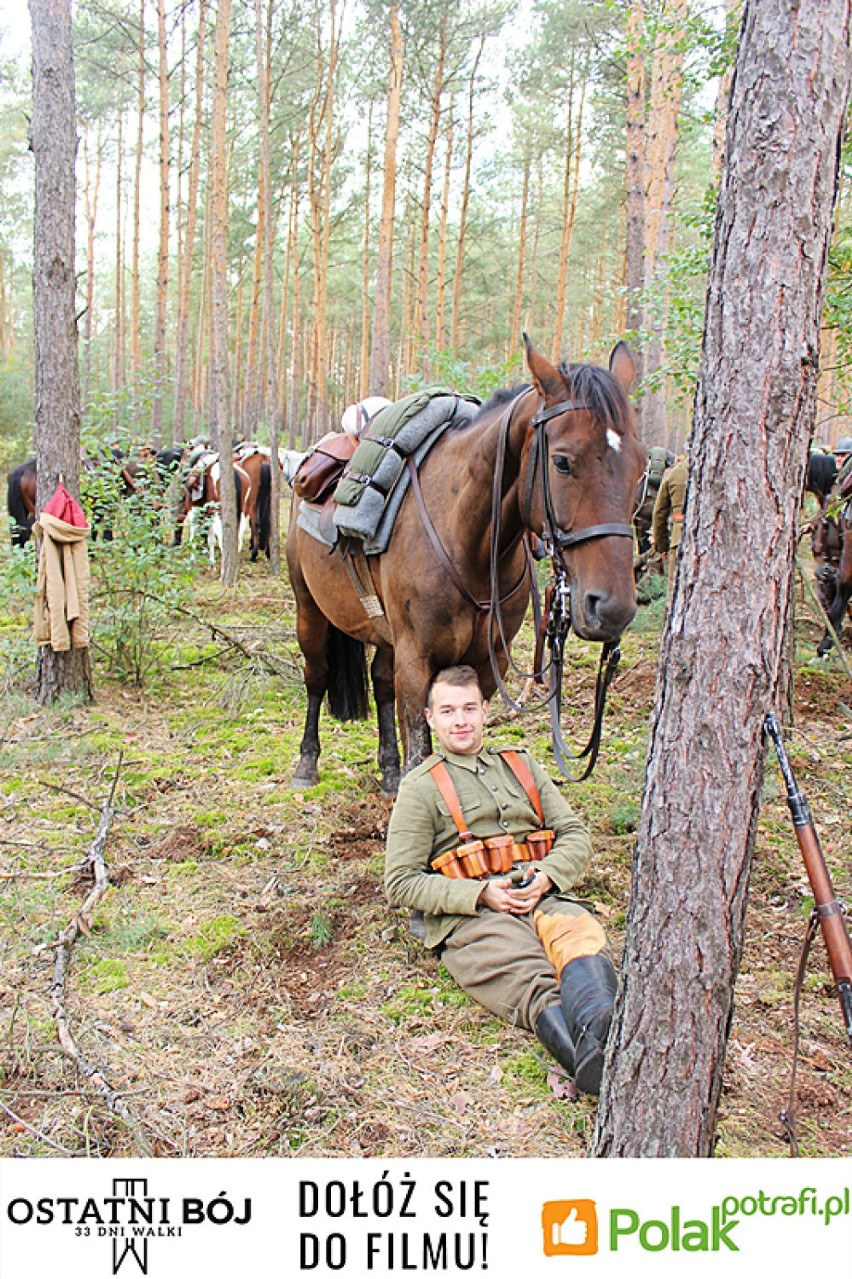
{"type": "Point", "coordinates": [408, 186]}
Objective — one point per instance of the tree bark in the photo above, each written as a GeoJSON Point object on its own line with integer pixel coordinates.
{"type": "Point", "coordinates": [722, 665]}
{"type": "Point", "coordinates": [135, 304]}
{"type": "Point", "coordinates": [90, 200]}
{"type": "Point", "coordinates": [53, 142]}
{"type": "Point", "coordinates": [185, 266]}
{"type": "Point", "coordinates": [455, 326]}
{"type": "Point", "coordinates": [661, 144]}
{"type": "Point", "coordinates": [163, 250]}
{"type": "Point", "coordinates": [364, 360]}
{"type": "Point", "coordinates": [267, 385]}
{"type": "Point", "coordinates": [380, 348]}
{"type": "Point", "coordinates": [220, 427]}
{"type": "Point", "coordinates": [634, 174]}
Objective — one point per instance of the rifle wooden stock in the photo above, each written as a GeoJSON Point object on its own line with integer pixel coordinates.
{"type": "Point", "coordinates": [829, 911]}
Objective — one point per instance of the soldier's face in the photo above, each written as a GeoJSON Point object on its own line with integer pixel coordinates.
{"type": "Point", "coordinates": [457, 717]}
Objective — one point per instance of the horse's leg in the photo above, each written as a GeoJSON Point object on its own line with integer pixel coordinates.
{"type": "Point", "coordinates": [214, 535]}
{"type": "Point", "coordinates": [413, 673]}
{"type": "Point", "coordinates": [383, 691]}
{"type": "Point", "coordinates": [843, 590]}
{"type": "Point", "coordinates": [312, 633]}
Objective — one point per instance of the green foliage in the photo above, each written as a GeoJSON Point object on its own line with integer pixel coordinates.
{"type": "Point", "coordinates": [138, 581]}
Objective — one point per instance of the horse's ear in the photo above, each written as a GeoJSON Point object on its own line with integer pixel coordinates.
{"type": "Point", "coordinates": [548, 380]}
{"type": "Point", "coordinates": [622, 366]}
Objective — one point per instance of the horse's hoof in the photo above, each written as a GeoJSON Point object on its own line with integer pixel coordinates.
{"type": "Point", "coordinates": [304, 778]}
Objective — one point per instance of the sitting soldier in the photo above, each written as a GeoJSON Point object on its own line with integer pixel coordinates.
{"type": "Point", "coordinates": [484, 844]}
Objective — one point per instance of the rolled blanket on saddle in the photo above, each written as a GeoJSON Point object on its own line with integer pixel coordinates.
{"type": "Point", "coordinates": [375, 477]}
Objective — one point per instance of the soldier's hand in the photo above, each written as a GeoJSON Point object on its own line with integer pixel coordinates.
{"type": "Point", "coordinates": [504, 896]}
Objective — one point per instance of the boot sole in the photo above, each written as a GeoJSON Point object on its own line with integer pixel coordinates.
{"type": "Point", "coordinates": [588, 1072]}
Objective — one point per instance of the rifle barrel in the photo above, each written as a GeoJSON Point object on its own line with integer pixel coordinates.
{"type": "Point", "coordinates": [830, 912]}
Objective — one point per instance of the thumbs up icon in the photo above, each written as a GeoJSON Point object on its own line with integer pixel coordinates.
{"type": "Point", "coordinates": [570, 1228]}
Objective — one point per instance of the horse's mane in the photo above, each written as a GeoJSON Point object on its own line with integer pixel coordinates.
{"type": "Point", "coordinates": [588, 384]}
{"type": "Point", "coordinates": [597, 388]}
{"type": "Point", "coordinates": [499, 398]}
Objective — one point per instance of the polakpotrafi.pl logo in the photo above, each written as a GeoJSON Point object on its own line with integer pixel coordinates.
{"type": "Point", "coordinates": [130, 1219]}
{"type": "Point", "coordinates": [567, 1229]}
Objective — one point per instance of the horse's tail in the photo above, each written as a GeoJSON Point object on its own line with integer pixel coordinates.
{"type": "Point", "coordinates": [22, 518]}
{"type": "Point", "coordinates": [347, 676]}
{"type": "Point", "coordinates": [264, 508]}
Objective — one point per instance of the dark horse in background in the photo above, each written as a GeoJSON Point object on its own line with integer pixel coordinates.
{"type": "Point", "coordinates": [21, 501]}
{"type": "Point", "coordinates": [573, 428]}
{"type": "Point", "coordinates": [115, 480]}
{"type": "Point", "coordinates": [831, 543]}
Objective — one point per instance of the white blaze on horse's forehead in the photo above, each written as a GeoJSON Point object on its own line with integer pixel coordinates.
{"type": "Point", "coordinates": [613, 439]}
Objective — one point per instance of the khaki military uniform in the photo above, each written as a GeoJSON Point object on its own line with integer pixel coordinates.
{"type": "Point", "coordinates": [667, 520]}
{"type": "Point", "coordinates": [499, 959]}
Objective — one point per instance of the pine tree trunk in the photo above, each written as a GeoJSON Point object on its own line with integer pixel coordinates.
{"type": "Point", "coordinates": [163, 251]}
{"type": "Point", "coordinates": [421, 318]}
{"type": "Point", "coordinates": [380, 349]}
{"type": "Point", "coordinates": [53, 142]}
{"type": "Point", "coordinates": [458, 278]}
{"type": "Point", "coordinates": [90, 200]}
{"type": "Point", "coordinates": [135, 303]}
{"type": "Point", "coordinates": [518, 304]}
{"type": "Point", "coordinates": [662, 136]}
{"type": "Point", "coordinates": [364, 360]}
{"type": "Point", "coordinates": [188, 246]}
{"type": "Point", "coordinates": [118, 311]}
{"type": "Point", "coordinates": [441, 277]}
{"type": "Point", "coordinates": [722, 661]}
{"type": "Point", "coordinates": [220, 427]}
{"type": "Point", "coordinates": [570, 186]}
{"type": "Point", "coordinates": [634, 173]}
{"type": "Point", "coordinates": [267, 407]}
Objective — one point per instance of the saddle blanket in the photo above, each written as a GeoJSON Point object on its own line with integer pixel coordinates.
{"type": "Point", "coordinates": [378, 495]}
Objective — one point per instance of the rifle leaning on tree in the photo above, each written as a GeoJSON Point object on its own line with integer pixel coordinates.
{"type": "Point", "coordinates": [827, 914]}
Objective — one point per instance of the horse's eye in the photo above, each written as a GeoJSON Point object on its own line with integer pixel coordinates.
{"type": "Point", "coordinates": [562, 463]}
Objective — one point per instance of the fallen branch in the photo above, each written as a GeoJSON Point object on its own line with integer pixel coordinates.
{"type": "Point", "coordinates": [272, 664]}
{"type": "Point", "coordinates": [82, 923]}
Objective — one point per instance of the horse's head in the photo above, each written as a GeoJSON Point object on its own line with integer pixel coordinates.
{"type": "Point", "coordinates": [580, 466]}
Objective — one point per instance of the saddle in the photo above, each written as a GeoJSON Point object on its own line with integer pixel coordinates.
{"type": "Point", "coordinates": [317, 476]}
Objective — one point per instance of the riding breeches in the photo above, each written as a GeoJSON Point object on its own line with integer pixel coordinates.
{"type": "Point", "coordinates": [511, 963]}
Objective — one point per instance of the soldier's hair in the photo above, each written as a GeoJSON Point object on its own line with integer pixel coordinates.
{"type": "Point", "coordinates": [456, 677]}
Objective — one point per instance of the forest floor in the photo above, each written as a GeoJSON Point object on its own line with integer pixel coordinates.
{"type": "Point", "coordinates": [243, 985]}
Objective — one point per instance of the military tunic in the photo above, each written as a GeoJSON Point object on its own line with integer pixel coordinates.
{"type": "Point", "coordinates": [669, 508]}
{"type": "Point", "coordinates": [496, 957]}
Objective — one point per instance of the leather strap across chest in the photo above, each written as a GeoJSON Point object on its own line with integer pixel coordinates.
{"type": "Point", "coordinates": [440, 775]}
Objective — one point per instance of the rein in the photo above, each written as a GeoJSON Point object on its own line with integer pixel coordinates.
{"type": "Point", "coordinates": [556, 540]}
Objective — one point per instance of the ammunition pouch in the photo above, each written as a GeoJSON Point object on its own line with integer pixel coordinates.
{"type": "Point", "coordinates": [478, 858]}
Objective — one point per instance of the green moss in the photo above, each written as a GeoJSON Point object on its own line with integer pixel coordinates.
{"type": "Point", "coordinates": [106, 975]}
{"type": "Point", "coordinates": [214, 936]}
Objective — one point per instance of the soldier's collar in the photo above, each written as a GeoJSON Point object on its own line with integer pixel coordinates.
{"type": "Point", "coordinates": [470, 762]}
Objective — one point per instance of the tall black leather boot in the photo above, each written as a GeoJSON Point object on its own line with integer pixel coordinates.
{"type": "Point", "coordinates": [588, 989]}
{"type": "Point", "coordinates": [551, 1030]}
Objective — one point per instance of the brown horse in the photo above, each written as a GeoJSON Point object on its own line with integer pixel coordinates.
{"type": "Point", "coordinates": [201, 499]}
{"type": "Point", "coordinates": [567, 459]}
{"type": "Point", "coordinates": [831, 543]}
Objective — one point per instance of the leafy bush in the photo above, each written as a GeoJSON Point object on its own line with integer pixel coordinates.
{"type": "Point", "coordinates": [138, 584]}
